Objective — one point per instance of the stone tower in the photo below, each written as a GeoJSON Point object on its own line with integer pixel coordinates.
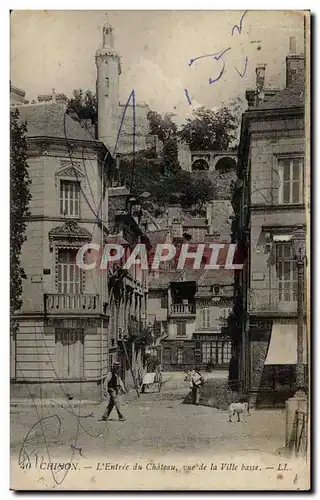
{"type": "Point", "coordinates": [108, 71]}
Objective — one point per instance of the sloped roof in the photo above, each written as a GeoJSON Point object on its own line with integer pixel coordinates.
{"type": "Point", "coordinates": [158, 236]}
{"type": "Point", "coordinates": [163, 280]}
{"type": "Point", "coordinates": [195, 222]}
{"type": "Point", "coordinates": [290, 97]}
{"type": "Point", "coordinates": [216, 277]}
{"type": "Point", "coordinates": [51, 120]}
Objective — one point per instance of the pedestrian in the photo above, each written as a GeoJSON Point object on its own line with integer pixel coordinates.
{"type": "Point", "coordinates": [196, 382]}
{"type": "Point", "coordinates": [113, 385]}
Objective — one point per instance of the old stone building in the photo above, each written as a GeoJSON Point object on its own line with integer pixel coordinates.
{"type": "Point", "coordinates": [188, 308]}
{"type": "Point", "coordinates": [270, 201]}
{"type": "Point", "coordinates": [122, 127]}
{"type": "Point", "coordinates": [128, 288]}
{"type": "Point", "coordinates": [63, 322]}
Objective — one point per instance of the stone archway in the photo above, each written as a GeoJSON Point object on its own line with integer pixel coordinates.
{"type": "Point", "coordinates": [199, 165]}
{"type": "Point", "coordinates": [225, 164]}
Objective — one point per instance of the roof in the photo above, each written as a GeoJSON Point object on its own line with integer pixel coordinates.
{"type": "Point", "coordinates": [216, 277]}
{"type": "Point", "coordinates": [290, 97]}
{"type": "Point", "coordinates": [163, 280]}
{"type": "Point", "coordinates": [158, 236]}
{"type": "Point", "coordinates": [116, 239]}
{"type": "Point", "coordinates": [195, 222]}
{"type": "Point", "coordinates": [203, 278]}
{"type": "Point", "coordinates": [51, 120]}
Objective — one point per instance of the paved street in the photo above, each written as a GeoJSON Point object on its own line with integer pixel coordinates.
{"type": "Point", "coordinates": [154, 422]}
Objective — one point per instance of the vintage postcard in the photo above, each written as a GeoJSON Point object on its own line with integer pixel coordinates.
{"type": "Point", "coordinates": [160, 199]}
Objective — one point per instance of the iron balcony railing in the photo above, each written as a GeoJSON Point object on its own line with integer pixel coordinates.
{"type": "Point", "coordinates": [57, 303]}
{"type": "Point", "coordinates": [183, 310]}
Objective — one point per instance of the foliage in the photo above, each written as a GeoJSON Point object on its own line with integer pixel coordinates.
{"type": "Point", "coordinates": [163, 127]}
{"type": "Point", "coordinates": [209, 130]}
{"type": "Point", "coordinates": [84, 103]}
{"type": "Point", "coordinates": [19, 211]}
{"type": "Point", "coordinates": [180, 186]}
{"type": "Point", "coordinates": [151, 362]}
{"type": "Point", "coordinates": [169, 157]}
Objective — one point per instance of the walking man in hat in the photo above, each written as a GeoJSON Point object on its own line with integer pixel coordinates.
{"type": "Point", "coordinates": [113, 385]}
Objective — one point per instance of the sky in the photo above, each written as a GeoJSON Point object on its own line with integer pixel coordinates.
{"type": "Point", "coordinates": [56, 49]}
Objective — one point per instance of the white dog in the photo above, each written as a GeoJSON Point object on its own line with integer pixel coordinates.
{"type": "Point", "coordinates": [237, 408]}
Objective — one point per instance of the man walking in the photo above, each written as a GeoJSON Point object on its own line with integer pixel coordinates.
{"type": "Point", "coordinates": [113, 385]}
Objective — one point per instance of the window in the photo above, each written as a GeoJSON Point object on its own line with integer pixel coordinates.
{"type": "Point", "coordinates": [70, 198]}
{"type": "Point", "coordinates": [181, 329]}
{"type": "Point", "coordinates": [180, 355]}
{"type": "Point", "coordinates": [286, 272]}
{"type": "Point", "coordinates": [205, 318]}
{"type": "Point", "coordinates": [69, 357]}
{"type": "Point", "coordinates": [197, 233]}
{"type": "Point", "coordinates": [69, 273]}
{"type": "Point", "coordinates": [290, 180]}
{"type": "Point", "coordinates": [216, 352]}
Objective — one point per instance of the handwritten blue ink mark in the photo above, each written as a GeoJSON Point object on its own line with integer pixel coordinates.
{"type": "Point", "coordinates": [238, 28]}
{"type": "Point", "coordinates": [216, 56]}
{"type": "Point", "coordinates": [245, 68]}
{"type": "Point", "coordinates": [213, 80]}
{"type": "Point", "coordinates": [187, 96]}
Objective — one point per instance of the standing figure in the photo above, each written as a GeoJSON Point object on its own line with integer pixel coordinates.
{"type": "Point", "coordinates": [113, 385]}
{"type": "Point", "coordinates": [196, 382]}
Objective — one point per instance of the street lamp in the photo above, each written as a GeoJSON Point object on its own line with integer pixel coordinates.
{"type": "Point", "coordinates": [299, 250]}
{"type": "Point", "coordinates": [299, 401]}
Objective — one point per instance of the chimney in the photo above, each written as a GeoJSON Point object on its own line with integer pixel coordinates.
{"type": "Point", "coordinates": [295, 66]}
{"type": "Point", "coordinates": [260, 81]}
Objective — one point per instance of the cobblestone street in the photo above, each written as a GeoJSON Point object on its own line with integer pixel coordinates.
{"type": "Point", "coordinates": [154, 422]}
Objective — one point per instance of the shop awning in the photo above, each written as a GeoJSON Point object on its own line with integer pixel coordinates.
{"type": "Point", "coordinates": [283, 345]}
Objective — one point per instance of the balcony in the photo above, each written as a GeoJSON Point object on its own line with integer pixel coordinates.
{"type": "Point", "coordinates": [183, 310]}
{"type": "Point", "coordinates": [268, 301]}
{"type": "Point", "coordinates": [56, 303]}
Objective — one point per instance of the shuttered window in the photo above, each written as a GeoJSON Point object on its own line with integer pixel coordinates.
{"type": "Point", "coordinates": [69, 353]}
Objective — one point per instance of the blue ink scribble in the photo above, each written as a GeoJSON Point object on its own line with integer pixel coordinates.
{"type": "Point", "coordinates": [213, 80]}
{"type": "Point", "coordinates": [187, 96]}
{"type": "Point", "coordinates": [245, 68]}
{"type": "Point", "coordinates": [216, 56]}
{"type": "Point", "coordinates": [238, 28]}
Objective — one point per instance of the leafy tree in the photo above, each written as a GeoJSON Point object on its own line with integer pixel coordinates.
{"type": "Point", "coordinates": [163, 127]}
{"type": "Point", "coordinates": [84, 103]}
{"type": "Point", "coordinates": [166, 131]}
{"type": "Point", "coordinates": [208, 129]}
{"type": "Point", "coordinates": [19, 211]}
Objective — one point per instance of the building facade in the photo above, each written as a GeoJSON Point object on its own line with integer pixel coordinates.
{"type": "Point", "coordinates": [188, 308]}
{"type": "Point", "coordinates": [60, 349]}
{"type": "Point", "coordinates": [271, 196]}
{"type": "Point", "coordinates": [128, 289]}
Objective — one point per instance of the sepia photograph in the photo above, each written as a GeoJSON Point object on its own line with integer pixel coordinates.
{"type": "Point", "coordinates": [160, 309]}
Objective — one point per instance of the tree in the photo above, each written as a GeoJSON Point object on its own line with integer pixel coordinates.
{"type": "Point", "coordinates": [209, 130]}
{"type": "Point", "coordinates": [163, 127]}
{"type": "Point", "coordinates": [84, 103]}
{"type": "Point", "coordinates": [19, 210]}
{"type": "Point", "coordinates": [166, 131]}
